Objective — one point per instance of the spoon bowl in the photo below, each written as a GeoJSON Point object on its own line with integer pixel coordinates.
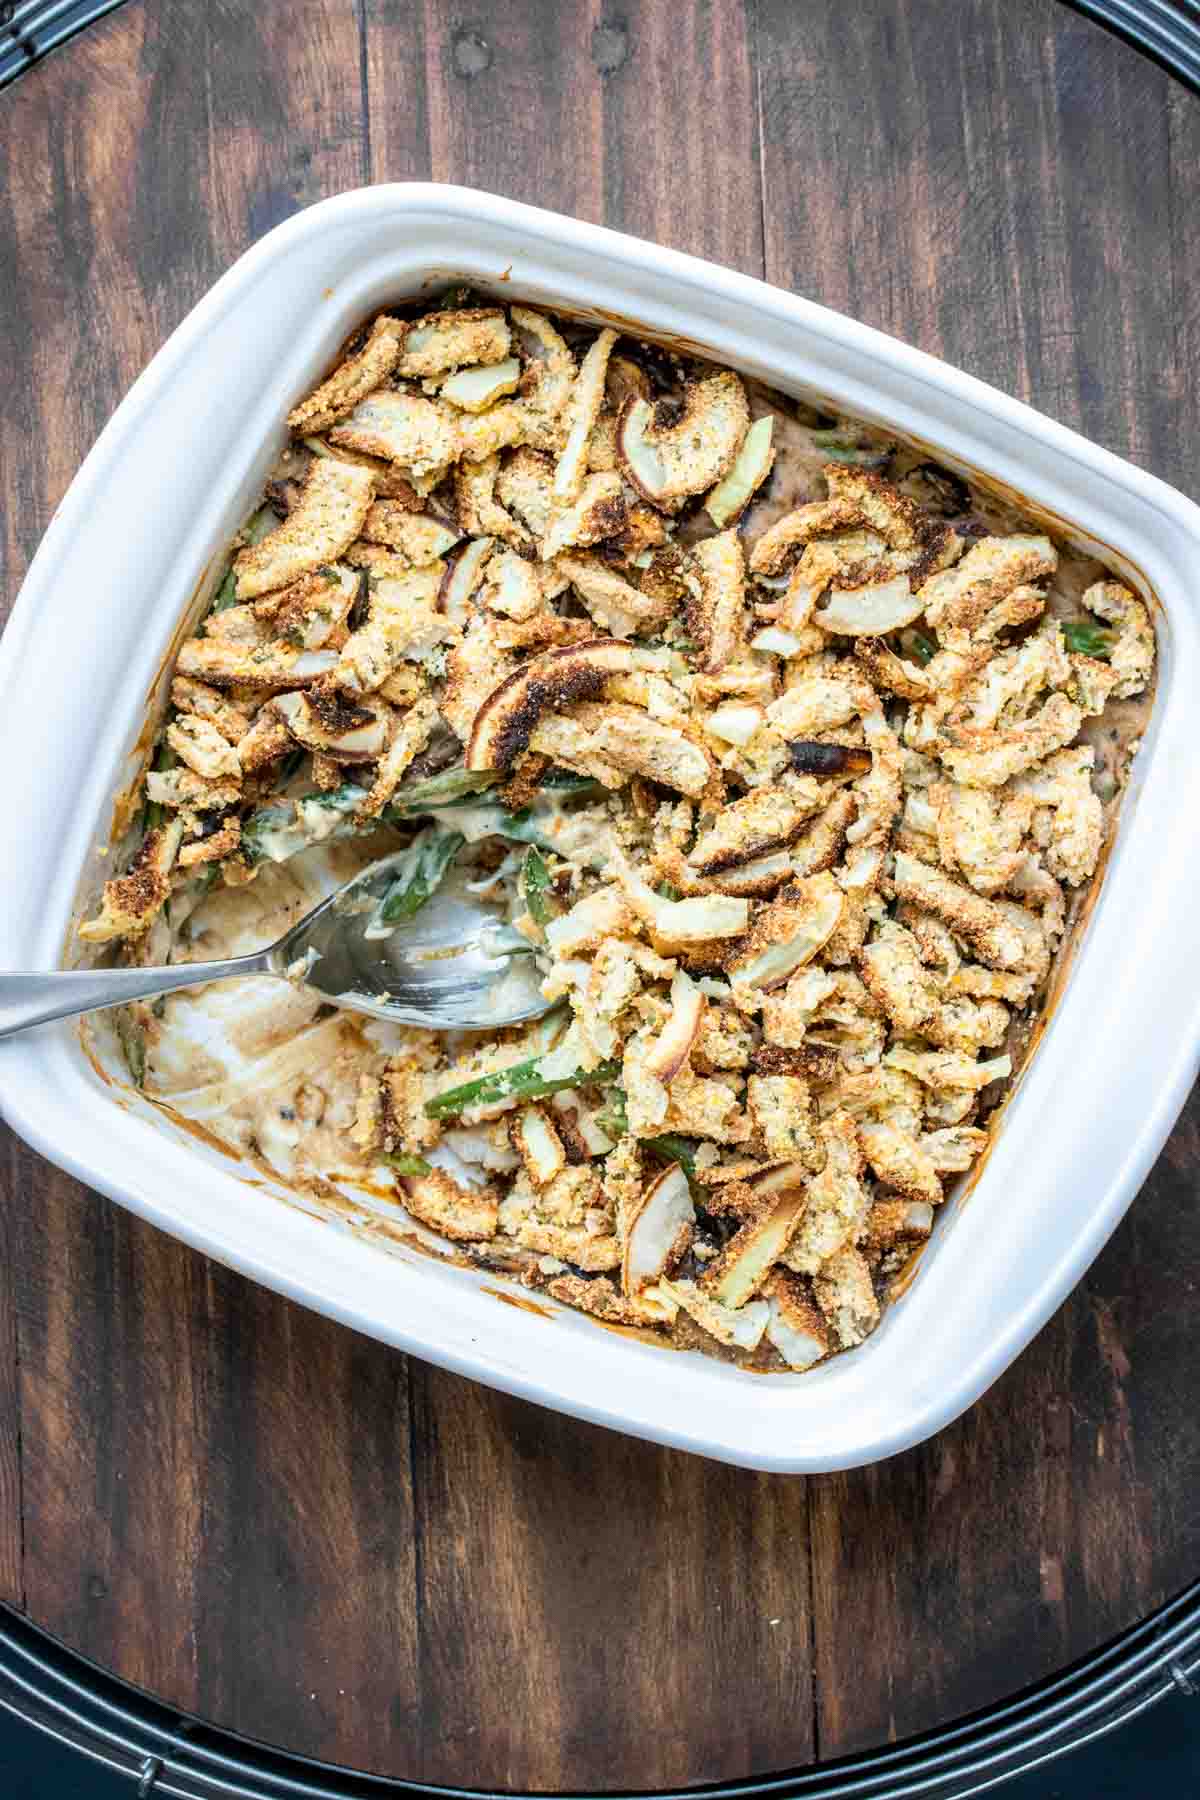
{"type": "Point", "coordinates": [448, 963]}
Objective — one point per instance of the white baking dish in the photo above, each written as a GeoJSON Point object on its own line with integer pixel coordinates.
{"type": "Point", "coordinates": [166, 484]}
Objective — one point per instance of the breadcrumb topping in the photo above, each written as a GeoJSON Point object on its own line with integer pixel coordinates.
{"type": "Point", "coordinates": [791, 762]}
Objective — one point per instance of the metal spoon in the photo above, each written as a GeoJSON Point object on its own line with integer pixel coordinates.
{"type": "Point", "coordinates": [453, 966]}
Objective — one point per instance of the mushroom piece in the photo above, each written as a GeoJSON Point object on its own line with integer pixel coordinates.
{"type": "Point", "coordinates": [716, 614]}
{"type": "Point", "coordinates": [462, 1214]}
{"type": "Point", "coordinates": [345, 733]}
{"type": "Point", "coordinates": [755, 879]}
{"type": "Point", "coordinates": [325, 520]}
{"type": "Point", "coordinates": [760, 823]}
{"type": "Point", "coordinates": [795, 1326]}
{"type": "Point", "coordinates": [463, 574]}
{"type": "Point", "coordinates": [776, 549]}
{"type": "Point", "coordinates": [743, 1328]}
{"type": "Point", "coordinates": [417, 537]}
{"type": "Point", "coordinates": [746, 1260]}
{"type": "Point", "coordinates": [353, 379]}
{"type": "Point", "coordinates": [775, 1178]}
{"type": "Point", "coordinates": [872, 610]}
{"type": "Point", "coordinates": [755, 460]}
{"type": "Point", "coordinates": [674, 1043]}
{"type": "Point", "coordinates": [583, 409]}
{"type": "Point", "coordinates": [223, 665]}
{"type": "Point", "coordinates": [813, 758]}
{"type": "Point", "coordinates": [659, 1231]}
{"type": "Point", "coordinates": [788, 933]}
{"type": "Point", "coordinates": [504, 723]}
{"type": "Point", "coordinates": [702, 918]}
{"type": "Point", "coordinates": [736, 722]}
{"type": "Point", "coordinates": [776, 641]}
{"type": "Point", "coordinates": [447, 340]}
{"type": "Point", "coordinates": [475, 389]}
{"type": "Point", "coordinates": [552, 367]}
{"type": "Point", "coordinates": [668, 456]}
{"type": "Point", "coordinates": [538, 1144]}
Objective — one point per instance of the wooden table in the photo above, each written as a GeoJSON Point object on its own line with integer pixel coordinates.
{"type": "Point", "coordinates": [291, 1530]}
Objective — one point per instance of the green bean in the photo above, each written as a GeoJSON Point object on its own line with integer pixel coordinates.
{"type": "Point", "coordinates": [613, 1119]}
{"type": "Point", "coordinates": [133, 1045]}
{"type": "Point", "coordinates": [566, 782]}
{"type": "Point", "coordinates": [519, 1081]}
{"type": "Point", "coordinates": [918, 645]}
{"type": "Point", "coordinates": [408, 1165]}
{"type": "Point", "coordinates": [422, 872]}
{"type": "Point", "coordinates": [453, 787]}
{"type": "Point", "coordinates": [535, 887]}
{"type": "Point", "coordinates": [1088, 639]}
{"type": "Point", "coordinates": [670, 1148]}
{"type": "Point", "coordinates": [226, 595]}
{"type": "Point", "coordinates": [153, 812]}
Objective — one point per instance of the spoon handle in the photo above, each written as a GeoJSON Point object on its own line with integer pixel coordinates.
{"type": "Point", "coordinates": [56, 994]}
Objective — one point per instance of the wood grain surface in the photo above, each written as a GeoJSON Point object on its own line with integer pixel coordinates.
{"type": "Point", "coordinates": [291, 1530]}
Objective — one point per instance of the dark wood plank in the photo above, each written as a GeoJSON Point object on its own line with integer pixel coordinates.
{"type": "Point", "coordinates": [597, 1612]}
{"type": "Point", "coordinates": [579, 107]}
{"type": "Point", "coordinates": [12, 1576]}
{"type": "Point", "coordinates": [997, 191]}
{"type": "Point", "coordinates": [217, 1493]}
{"type": "Point", "coordinates": [1017, 212]}
{"type": "Point", "coordinates": [1179, 398]}
{"type": "Point", "coordinates": [135, 165]}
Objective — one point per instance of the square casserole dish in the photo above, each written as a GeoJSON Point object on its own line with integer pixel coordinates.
{"type": "Point", "coordinates": [168, 482]}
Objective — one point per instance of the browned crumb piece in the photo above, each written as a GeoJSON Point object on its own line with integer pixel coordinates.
{"type": "Point", "coordinates": [326, 520]}
{"type": "Point", "coordinates": [817, 1062]}
{"type": "Point", "coordinates": [845, 1294]}
{"type": "Point", "coordinates": [366, 1131]}
{"type": "Point", "coordinates": [726, 1192]}
{"type": "Point", "coordinates": [211, 849]}
{"type": "Point", "coordinates": [599, 1297]}
{"type": "Point", "coordinates": [526, 780]}
{"type": "Point", "coordinates": [402, 1102]}
{"type": "Point", "coordinates": [980, 923]}
{"type": "Point", "coordinates": [837, 1199]}
{"type": "Point", "coordinates": [742, 1267]}
{"type": "Point", "coordinates": [892, 1222]}
{"type": "Point", "coordinates": [782, 1111]}
{"type": "Point", "coordinates": [463, 1214]}
{"type": "Point", "coordinates": [900, 1162]}
{"type": "Point", "coordinates": [724, 1041]}
{"type": "Point", "coordinates": [129, 903]}
{"type": "Point", "coordinates": [357, 376]}
{"type": "Point", "coordinates": [267, 740]}
{"type": "Point", "coordinates": [208, 703]}
{"type": "Point", "coordinates": [796, 1327]}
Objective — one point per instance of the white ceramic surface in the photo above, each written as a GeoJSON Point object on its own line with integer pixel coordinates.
{"type": "Point", "coordinates": [168, 481]}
